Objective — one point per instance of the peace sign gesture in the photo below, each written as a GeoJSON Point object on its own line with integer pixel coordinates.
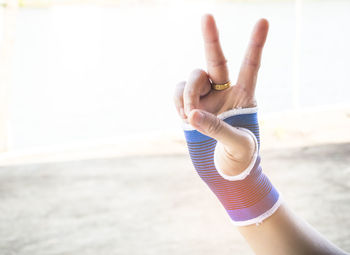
{"type": "Point", "coordinates": [197, 93]}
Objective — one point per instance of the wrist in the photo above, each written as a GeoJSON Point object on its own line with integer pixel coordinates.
{"type": "Point", "coordinates": [248, 197]}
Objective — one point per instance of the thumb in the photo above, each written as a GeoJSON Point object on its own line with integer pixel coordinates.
{"type": "Point", "coordinates": [237, 144]}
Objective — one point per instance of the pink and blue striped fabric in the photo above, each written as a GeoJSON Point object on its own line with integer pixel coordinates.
{"type": "Point", "coordinates": [247, 201]}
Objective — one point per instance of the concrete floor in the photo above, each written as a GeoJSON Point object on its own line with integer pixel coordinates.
{"type": "Point", "coordinates": [157, 204]}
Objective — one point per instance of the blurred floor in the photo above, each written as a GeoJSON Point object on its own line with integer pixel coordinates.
{"type": "Point", "coordinates": [157, 204]}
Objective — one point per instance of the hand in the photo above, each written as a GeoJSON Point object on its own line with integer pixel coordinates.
{"type": "Point", "coordinates": [199, 104]}
{"type": "Point", "coordinates": [196, 93]}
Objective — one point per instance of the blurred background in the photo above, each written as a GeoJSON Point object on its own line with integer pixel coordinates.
{"type": "Point", "coordinates": [89, 133]}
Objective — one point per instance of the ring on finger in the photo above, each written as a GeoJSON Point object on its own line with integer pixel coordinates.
{"type": "Point", "coordinates": [220, 86]}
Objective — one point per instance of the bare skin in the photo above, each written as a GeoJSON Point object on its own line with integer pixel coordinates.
{"type": "Point", "coordinates": [198, 104]}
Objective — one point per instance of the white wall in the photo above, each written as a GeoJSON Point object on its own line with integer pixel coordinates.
{"type": "Point", "coordinates": [90, 73]}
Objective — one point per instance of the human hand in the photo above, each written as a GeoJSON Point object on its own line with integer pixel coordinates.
{"type": "Point", "coordinates": [196, 93]}
{"type": "Point", "coordinates": [199, 104]}
{"type": "Point", "coordinates": [222, 130]}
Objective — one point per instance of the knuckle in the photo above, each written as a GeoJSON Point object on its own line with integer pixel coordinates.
{"type": "Point", "coordinates": [214, 126]}
{"type": "Point", "coordinates": [195, 83]}
{"type": "Point", "coordinates": [257, 44]}
{"type": "Point", "coordinates": [189, 105]}
{"type": "Point", "coordinates": [198, 76]}
{"type": "Point", "coordinates": [191, 92]}
{"type": "Point", "coordinates": [197, 73]}
{"type": "Point", "coordinates": [252, 63]}
{"type": "Point", "coordinates": [217, 63]}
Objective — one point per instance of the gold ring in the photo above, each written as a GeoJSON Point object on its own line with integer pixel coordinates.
{"type": "Point", "coordinates": [220, 86]}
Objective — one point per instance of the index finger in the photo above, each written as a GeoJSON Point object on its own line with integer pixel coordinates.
{"type": "Point", "coordinates": [216, 61]}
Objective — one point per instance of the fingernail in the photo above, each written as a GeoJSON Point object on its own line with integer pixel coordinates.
{"type": "Point", "coordinates": [198, 118]}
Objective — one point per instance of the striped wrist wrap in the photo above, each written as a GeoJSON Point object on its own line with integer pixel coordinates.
{"type": "Point", "coordinates": [249, 197]}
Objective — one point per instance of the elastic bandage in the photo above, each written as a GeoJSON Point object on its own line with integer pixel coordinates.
{"type": "Point", "coordinates": [249, 197]}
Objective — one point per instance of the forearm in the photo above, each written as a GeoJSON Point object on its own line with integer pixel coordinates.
{"type": "Point", "coordinates": [286, 233]}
